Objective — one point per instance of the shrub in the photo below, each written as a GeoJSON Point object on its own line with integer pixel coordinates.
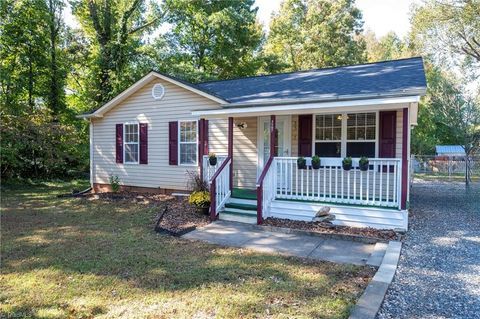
{"type": "Point", "coordinates": [301, 162]}
{"type": "Point", "coordinates": [347, 161]}
{"type": "Point", "coordinates": [363, 160]}
{"type": "Point", "coordinates": [114, 183]}
{"type": "Point", "coordinates": [199, 199]}
{"type": "Point", "coordinates": [196, 183]}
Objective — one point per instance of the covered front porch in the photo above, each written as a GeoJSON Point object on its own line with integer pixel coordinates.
{"type": "Point", "coordinates": [261, 160]}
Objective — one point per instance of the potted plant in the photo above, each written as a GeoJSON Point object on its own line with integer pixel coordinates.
{"type": "Point", "coordinates": [315, 162]}
{"type": "Point", "coordinates": [301, 163]}
{"type": "Point", "coordinates": [363, 163]}
{"type": "Point", "coordinates": [347, 163]}
{"type": "Point", "coordinates": [201, 201]}
{"type": "Point", "coordinates": [212, 158]}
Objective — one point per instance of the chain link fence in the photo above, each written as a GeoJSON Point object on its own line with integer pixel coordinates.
{"type": "Point", "coordinates": [446, 168]}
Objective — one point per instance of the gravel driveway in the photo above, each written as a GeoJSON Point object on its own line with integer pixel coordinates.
{"type": "Point", "coordinates": [439, 271]}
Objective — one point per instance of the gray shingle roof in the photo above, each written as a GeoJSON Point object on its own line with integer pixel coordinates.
{"type": "Point", "coordinates": [389, 78]}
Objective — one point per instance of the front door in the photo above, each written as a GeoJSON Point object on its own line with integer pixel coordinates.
{"type": "Point", "coordinates": [263, 139]}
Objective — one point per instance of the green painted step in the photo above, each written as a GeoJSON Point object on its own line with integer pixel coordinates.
{"type": "Point", "coordinates": [244, 193]}
{"type": "Point", "coordinates": [241, 206]}
{"type": "Point", "coordinates": [238, 214]}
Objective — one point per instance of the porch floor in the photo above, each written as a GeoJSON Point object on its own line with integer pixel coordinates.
{"type": "Point", "coordinates": [251, 194]}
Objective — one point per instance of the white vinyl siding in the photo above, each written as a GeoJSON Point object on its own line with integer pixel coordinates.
{"type": "Point", "coordinates": [176, 105]}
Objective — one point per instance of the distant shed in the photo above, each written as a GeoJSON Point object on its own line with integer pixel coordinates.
{"type": "Point", "coordinates": [450, 150]}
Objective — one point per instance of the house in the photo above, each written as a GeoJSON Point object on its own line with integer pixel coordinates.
{"type": "Point", "coordinates": [160, 128]}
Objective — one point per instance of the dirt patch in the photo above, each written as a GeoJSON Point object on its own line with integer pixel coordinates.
{"type": "Point", "coordinates": [326, 228]}
{"type": "Point", "coordinates": [173, 215]}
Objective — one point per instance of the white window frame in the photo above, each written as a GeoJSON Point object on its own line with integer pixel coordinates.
{"type": "Point", "coordinates": [343, 151]}
{"type": "Point", "coordinates": [315, 141]}
{"type": "Point", "coordinates": [137, 143]}
{"type": "Point", "coordinates": [362, 141]}
{"type": "Point", "coordinates": [180, 142]}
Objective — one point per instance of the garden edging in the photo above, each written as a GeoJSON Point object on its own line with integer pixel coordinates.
{"type": "Point", "coordinates": [371, 300]}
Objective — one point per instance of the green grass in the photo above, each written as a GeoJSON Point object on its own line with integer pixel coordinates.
{"type": "Point", "coordinates": [79, 258]}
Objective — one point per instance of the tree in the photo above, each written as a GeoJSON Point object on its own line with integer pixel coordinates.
{"type": "Point", "coordinates": [216, 39]}
{"type": "Point", "coordinates": [23, 55]}
{"type": "Point", "coordinates": [449, 30]}
{"type": "Point", "coordinates": [115, 30]}
{"type": "Point", "coordinates": [447, 116]}
{"type": "Point", "coordinates": [57, 70]}
{"type": "Point", "coordinates": [309, 34]}
{"type": "Point", "coordinates": [388, 47]}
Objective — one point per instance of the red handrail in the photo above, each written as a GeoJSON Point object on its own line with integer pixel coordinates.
{"type": "Point", "coordinates": [260, 191]}
{"type": "Point", "coordinates": [213, 184]}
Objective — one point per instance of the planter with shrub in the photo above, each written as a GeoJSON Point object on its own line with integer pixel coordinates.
{"type": "Point", "coordinates": [315, 162]}
{"type": "Point", "coordinates": [301, 163]}
{"type": "Point", "coordinates": [212, 159]}
{"type": "Point", "coordinates": [347, 163]}
{"type": "Point", "coordinates": [201, 201]}
{"type": "Point", "coordinates": [363, 163]}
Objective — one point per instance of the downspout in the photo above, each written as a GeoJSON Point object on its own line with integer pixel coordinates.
{"type": "Point", "coordinates": [91, 141]}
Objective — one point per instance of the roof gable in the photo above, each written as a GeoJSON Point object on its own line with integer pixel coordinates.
{"type": "Point", "coordinates": [144, 81]}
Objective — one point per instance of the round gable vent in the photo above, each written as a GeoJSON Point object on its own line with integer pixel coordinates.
{"type": "Point", "coordinates": [158, 91]}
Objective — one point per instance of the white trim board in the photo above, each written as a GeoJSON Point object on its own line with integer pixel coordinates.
{"type": "Point", "coordinates": [306, 108]}
{"type": "Point", "coordinates": [139, 84]}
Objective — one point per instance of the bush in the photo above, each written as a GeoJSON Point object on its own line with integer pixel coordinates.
{"type": "Point", "coordinates": [199, 199]}
{"type": "Point", "coordinates": [114, 183]}
{"type": "Point", "coordinates": [196, 183]}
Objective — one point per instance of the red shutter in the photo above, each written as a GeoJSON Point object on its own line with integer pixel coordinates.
{"type": "Point", "coordinates": [305, 135]}
{"type": "Point", "coordinates": [388, 121]}
{"type": "Point", "coordinates": [201, 132]}
{"type": "Point", "coordinates": [143, 143]}
{"type": "Point", "coordinates": [119, 143]}
{"type": "Point", "coordinates": [205, 136]}
{"type": "Point", "coordinates": [173, 143]}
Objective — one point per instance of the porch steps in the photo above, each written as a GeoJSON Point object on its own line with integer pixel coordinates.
{"type": "Point", "coordinates": [240, 209]}
{"type": "Point", "coordinates": [355, 216]}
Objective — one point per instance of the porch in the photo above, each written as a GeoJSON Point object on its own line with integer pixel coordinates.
{"type": "Point", "coordinates": [261, 160]}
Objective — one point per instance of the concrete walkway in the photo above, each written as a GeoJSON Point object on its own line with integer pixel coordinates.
{"type": "Point", "coordinates": [247, 236]}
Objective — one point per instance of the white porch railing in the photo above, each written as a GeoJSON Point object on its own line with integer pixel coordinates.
{"type": "Point", "coordinates": [220, 188]}
{"type": "Point", "coordinates": [209, 170]}
{"type": "Point", "coordinates": [379, 186]}
{"type": "Point", "coordinates": [268, 191]}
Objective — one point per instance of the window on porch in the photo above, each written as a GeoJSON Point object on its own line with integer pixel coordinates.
{"type": "Point", "coordinates": [346, 134]}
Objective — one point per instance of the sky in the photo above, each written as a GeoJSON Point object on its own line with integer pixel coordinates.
{"type": "Point", "coordinates": [380, 16]}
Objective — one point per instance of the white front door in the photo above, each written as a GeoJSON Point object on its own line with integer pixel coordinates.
{"type": "Point", "coordinates": [263, 139]}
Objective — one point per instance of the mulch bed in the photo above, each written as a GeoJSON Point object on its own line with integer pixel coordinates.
{"type": "Point", "coordinates": [173, 216]}
{"type": "Point", "coordinates": [326, 228]}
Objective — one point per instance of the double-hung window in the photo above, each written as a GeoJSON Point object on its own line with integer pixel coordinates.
{"type": "Point", "coordinates": [361, 134]}
{"type": "Point", "coordinates": [328, 135]}
{"type": "Point", "coordinates": [188, 143]}
{"type": "Point", "coordinates": [130, 143]}
{"type": "Point", "coordinates": [342, 134]}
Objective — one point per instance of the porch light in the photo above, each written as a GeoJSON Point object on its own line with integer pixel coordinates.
{"type": "Point", "coordinates": [242, 125]}
{"type": "Point", "coordinates": [340, 117]}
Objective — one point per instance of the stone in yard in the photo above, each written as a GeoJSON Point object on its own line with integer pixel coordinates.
{"type": "Point", "coordinates": [324, 219]}
{"type": "Point", "coordinates": [323, 211]}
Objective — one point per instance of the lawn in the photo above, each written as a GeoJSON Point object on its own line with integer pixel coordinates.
{"type": "Point", "coordinates": [79, 258]}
